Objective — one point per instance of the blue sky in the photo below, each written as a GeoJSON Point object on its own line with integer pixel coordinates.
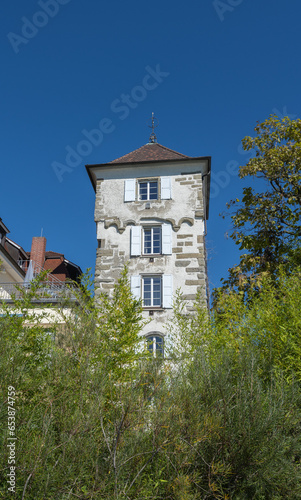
{"type": "Point", "coordinates": [221, 66]}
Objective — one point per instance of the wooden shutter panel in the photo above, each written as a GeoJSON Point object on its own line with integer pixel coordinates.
{"type": "Point", "coordinates": [165, 188]}
{"type": "Point", "coordinates": [166, 239]}
{"type": "Point", "coordinates": [167, 291]}
{"type": "Point", "coordinates": [135, 240]}
{"type": "Point", "coordinates": [136, 287]}
{"type": "Point", "coordinates": [129, 190]}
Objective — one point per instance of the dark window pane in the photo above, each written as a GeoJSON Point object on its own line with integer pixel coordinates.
{"type": "Point", "coordinates": [155, 345]}
{"type": "Point", "coordinates": [147, 282]}
{"type": "Point", "coordinates": [153, 190]}
{"type": "Point", "coordinates": [156, 240]}
{"type": "Point", "coordinates": [150, 344]}
{"type": "Point", "coordinates": [157, 283]}
{"type": "Point", "coordinates": [157, 247]}
{"type": "Point", "coordinates": [147, 296]}
{"type": "Point", "coordinates": [147, 241]}
{"type": "Point", "coordinates": [157, 291]}
{"type": "Point", "coordinates": [143, 190]}
{"type": "Point", "coordinates": [147, 301]}
{"type": "Point", "coordinates": [159, 345]}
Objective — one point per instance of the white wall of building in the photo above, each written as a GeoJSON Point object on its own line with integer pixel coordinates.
{"type": "Point", "coordinates": [183, 212]}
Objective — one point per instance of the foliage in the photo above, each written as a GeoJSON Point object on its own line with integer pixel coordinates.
{"type": "Point", "coordinates": [98, 418]}
{"type": "Point", "coordinates": [267, 223]}
{"type": "Point", "coordinates": [270, 323]}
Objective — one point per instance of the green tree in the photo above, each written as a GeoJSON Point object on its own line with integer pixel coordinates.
{"type": "Point", "coordinates": [270, 324]}
{"type": "Point", "coordinates": [235, 397]}
{"type": "Point", "coordinates": [97, 417]}
{"type": "Point", "coordinates": [84, 416]}
{"type": "Point", "coordinates": [267, 223]}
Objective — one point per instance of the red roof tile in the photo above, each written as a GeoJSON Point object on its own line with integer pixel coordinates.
{"type": "Point", "coordinates": [50, 255]}
{"type": "Point", "coordinates": [57, 268]}
{"type": "Point", "coordinates": [150, 152]}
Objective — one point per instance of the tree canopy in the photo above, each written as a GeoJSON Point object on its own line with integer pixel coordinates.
{"type": "Point", "coordinates": [266, 222]}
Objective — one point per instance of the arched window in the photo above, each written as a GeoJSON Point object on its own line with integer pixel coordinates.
{"type": "Point", "coordinates": [155, 344]}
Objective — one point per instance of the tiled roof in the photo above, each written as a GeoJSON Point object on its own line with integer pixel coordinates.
{"type": "Point", "coordinates": [50, 255]}
{"type": "Point", "coordinates": [57, 268]}
{"type": "Point", "coordinates": [60, 267]}
{"type": "Point", "coordinates": [150, 152]}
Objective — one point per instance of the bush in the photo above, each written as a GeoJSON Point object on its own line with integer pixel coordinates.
{"type": "Point", "coordinates": [98, 418]}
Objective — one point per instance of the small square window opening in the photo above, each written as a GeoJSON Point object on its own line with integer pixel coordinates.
{"type": "Point", "coordinates": [148, 190]}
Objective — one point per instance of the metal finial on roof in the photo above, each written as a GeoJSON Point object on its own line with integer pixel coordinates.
{"type": "Point", "coordinates": [155, 123]}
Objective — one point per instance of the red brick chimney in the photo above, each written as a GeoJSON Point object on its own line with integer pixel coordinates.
{"type": "Point", "coordinates": [37, 253]}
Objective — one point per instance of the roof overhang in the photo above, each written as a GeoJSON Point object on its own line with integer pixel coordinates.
{"type": "Point", "coordinates": [10, 265]}
{"type": "Point", "coordinates": [21, 250]}
{"type": "Point", "coordinates": [96, 168]}
{"type": "Point", "coordinates": [3, 227]}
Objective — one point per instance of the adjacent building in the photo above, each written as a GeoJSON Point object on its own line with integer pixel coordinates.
{"type": "Point", "coordinates": [18, 268]}
{"type": "Point", "coordinates": [12, 258]}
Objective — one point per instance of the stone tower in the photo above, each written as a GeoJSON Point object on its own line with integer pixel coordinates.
{"type": "Point", "coordinates": [151, 210]}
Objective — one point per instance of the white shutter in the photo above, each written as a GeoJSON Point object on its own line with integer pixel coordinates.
{"type": "Point", "coordinates": [167, 291]}
{"type": "Point", "coordinates": [165, 188]}
{"type": "Point", "coordinates": [135, 240]}
{"type": "Point", "coordinates": [136, 287]}
{"type": "Point", "coordinates": [129, 190]}
{"type": "Point", "coordinates": [166, 239]}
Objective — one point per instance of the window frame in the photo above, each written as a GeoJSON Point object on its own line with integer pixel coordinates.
{"type": "Point", "coordinates": [137, 289]}
{"type": "Point", "coordinates": [151, 228]}
{"type": "Point", "coordinates": [147, 182]}
{"type": "Point", "coordinates": [152, 277]}
{"type": "Point", "coordinates": [152, 343]}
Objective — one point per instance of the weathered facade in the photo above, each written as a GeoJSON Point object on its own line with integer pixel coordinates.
{"type": "Point", "coordinates": [150, 211]}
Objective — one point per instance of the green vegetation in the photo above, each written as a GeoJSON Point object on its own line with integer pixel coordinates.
{"type": "Point", "coordinates": [97, 417]}
{"type": "Point", "coordinates": [266, 223]}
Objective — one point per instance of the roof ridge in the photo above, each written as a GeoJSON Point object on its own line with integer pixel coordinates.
{"type": "Point", "coordinates": [151, 151]}
{"type": "Point", "coordinates": [54, 253]}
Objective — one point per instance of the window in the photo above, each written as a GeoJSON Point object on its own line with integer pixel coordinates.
{"type": "Point", "coordinates": [152, 240]}
{"type": "Point", "coordinates": [155, 240]}
{"type": "Point", "coordinates": [155, 345]}
{"type": "Point", "coordinates": [148, 190]}
{"type": "Point", "coordinates": [152, 291]}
